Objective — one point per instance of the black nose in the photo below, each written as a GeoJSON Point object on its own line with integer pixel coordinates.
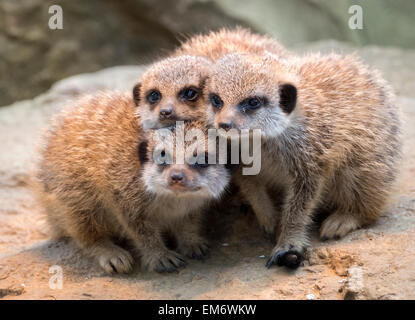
{"type": "Point", "coordinates": [166, 112]}
{"type": "Point", "coordinates": [226, 125]}
{"type": "Point", "coordinates": [177, 177]}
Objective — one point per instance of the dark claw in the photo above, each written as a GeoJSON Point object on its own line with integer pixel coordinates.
{"type": "Point", "coordinates": [113, 267]}
{"type": "Point", "coordinates": [160, 269]}
{"type": "Point", "coordinates": [172, 267]}
{"type": "Point", "coordinates": [289, 258]}
{"type": "Point", "coordinates": [204, 251]}
{"type": "Point", "coordinates": [182, 264]}
{"type": "Point", "coordinates": [182, 261]}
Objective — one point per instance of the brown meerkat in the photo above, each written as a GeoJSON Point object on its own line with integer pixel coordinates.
{"type": "Point", "coordinates": [330, 139]}
{"type": "Point", "coordinates": [103, 179]}
{"type": "Point", "coordinates": [171, 89]}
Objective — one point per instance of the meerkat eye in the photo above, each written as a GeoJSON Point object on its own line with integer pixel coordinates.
{"type": "Point", "coordinates": [252, 103]}
{"type": "Point", "coordinates": [216, 101]}
{"type": "Point", "coordinates": [154, 96]}
{"type": "Point", "coordinates": [162, 158]}
{"type": "Point", "coordinates": [189, 94]}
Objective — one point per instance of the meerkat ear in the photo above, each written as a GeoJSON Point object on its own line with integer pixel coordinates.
{"type": "Point", "coordinates": [142, 151]}
{"type": "Point", "coordinates": [288, 97]}
{"type": "Point", "coordinates": [136, 93]}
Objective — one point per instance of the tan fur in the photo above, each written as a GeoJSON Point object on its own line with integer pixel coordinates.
{"type": "Point", "coordinates": [216, 44]}
{"type": "Point", "coordinates": [338, 149]}
{"type": "Point", "coordinates": [96, 190]}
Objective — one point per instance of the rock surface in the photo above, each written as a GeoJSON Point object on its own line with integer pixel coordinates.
{"type": "Point", "coordinates": [373, 263]}
{"type": "Point", "coordinates": [96, 34]}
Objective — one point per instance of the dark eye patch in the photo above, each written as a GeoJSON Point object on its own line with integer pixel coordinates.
{"type": "Point", "coordinates": [153, 96]}
{"type": "Point", "coordinates": [288, 97]}
{"type": "Point", "coordinates": [142, 152]}
{"type": "Point", "coordinates": [189, 94]}
{"type": "Point", "coordinates": [215, 101]}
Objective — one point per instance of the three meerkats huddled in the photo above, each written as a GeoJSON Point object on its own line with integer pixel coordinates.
{"type": "Point", "coordinates": [330, 141]}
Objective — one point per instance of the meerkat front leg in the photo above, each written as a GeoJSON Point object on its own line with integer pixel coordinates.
{"type": "Point", "coordinates": [258, 197]}
{"type": "Point", "coordinates": [155, 256]}
{"type": "Point", "coordinates": [93, 238]}
{"type": "Point", "coordinates": [190, 242]}
{"type": "Point", "coordinates": [295, 219]}
{"type": "Point", "coordinates": [111, 258]}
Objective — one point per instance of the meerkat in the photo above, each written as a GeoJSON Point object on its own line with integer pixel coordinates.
{"type": "Point", "coordinates": [171, 89]}
{"type": "Point", "coordinates": [330, 139]}
{"type": "Point", "coordinates": [102, 179]}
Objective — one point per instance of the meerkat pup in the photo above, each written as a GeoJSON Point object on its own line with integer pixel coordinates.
{"type": "Point", "coordinates": [330, 139]}
{"type": "Point", "coordinates": [171, 89]}
{"type": "Point", "coordinates": [103, 179]}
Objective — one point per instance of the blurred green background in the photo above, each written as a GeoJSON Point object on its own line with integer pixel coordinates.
{"type": "Point", "coordinates": [102, 33]}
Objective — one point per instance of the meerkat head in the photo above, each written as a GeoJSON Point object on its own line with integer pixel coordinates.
{"type": "Point", "coordinates": [170, 91]}
{"type": "Point", "coordinates": [177, 161]}
{"type": "Point", "coordinates": [246, 91]}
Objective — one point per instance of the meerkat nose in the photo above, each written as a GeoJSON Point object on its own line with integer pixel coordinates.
{"type": "Point", "coordinates": [226, 125]}
{"type": "Point", "coordinates": [177, 178]}
{"type": "Point", "coordinates": [166, 112]}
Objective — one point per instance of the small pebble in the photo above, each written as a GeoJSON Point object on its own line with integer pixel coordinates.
{"type": "Point", "coordinates": [262, 256]}
{"type": "Point", "coordinates": [310, 296]}
{"type": "Point", "coordinates": [225, 244]}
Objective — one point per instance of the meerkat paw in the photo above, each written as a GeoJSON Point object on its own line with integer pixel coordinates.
{"type": "Point", "coordinates": [337, 225]}
{"type": "Point", "coordinates": [163, 261]}
{"type": "Point", "coordinates": [194, 250]}
{"type": "Point", "coordinates": [287, 256]}
{"type": "Point", "coordinates": [116, 260]}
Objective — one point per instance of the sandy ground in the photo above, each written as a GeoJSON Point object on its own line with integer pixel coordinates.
{"type": "Point", "coordinates": [377, 262]}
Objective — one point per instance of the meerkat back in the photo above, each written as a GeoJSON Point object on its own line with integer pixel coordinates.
{"type": "Point", "coordinates": [216, 44]}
